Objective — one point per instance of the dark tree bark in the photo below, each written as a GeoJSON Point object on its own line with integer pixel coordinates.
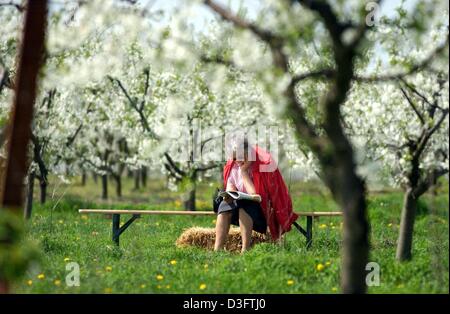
{"type": "Point", "coordinates": [413, 192]}
{"type": "Point", "coordinates": [189, 203]}
{"type": "Point", "coordinates": [130, 174]}
{"type": "Point", "coordinates": [19, 131]}
{"type": "Point", "coordinates": [332, 148]}
{"type": "Point", "coordinates": [118, 180]}
{"type": "Point", "coordinates": [83, 178]}
{"type": "Point", "coordinates": [405, 239]}
{"type": "Point", "coordinates": [30, 191]}
{"type": "Point", "coordinates": [104, 187]}
{"type": "Point", "coordinates": [137, 179]}
{"type": "Point", "coordinates": [21, 115]}
{"type": "Point", "coordinates": [349, 192]}
{"type": "Point", "coordinates": [43, 191]}
{"type": "Point", "coordinates": [418, 181]}
{"type": "Point", "coordinates": [144, 176]}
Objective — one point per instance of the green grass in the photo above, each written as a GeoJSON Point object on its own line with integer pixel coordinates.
{"type": "Point", "coordinates": [148, 246]}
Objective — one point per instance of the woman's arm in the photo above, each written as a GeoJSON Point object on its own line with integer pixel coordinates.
{"type": "Point", "coordinates": [248, 183]}
{"type": "Point", "coordinates": [230, 187]}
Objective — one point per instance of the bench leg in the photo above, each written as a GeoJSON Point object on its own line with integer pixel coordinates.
{"type": "Point", "coordinates": [309, 225]}
{"type": "Point", "coordinates": [116, 228]}
{"type": "Point", "coordinates": [308, 232]}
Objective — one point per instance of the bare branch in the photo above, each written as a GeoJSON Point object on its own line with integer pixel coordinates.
{"type": "Point", "coordinates": [413, 106]}
{"type": "Point", "coordinates": [218, 60]}
{"type": "Point", "coordinates": [329, 17]}
{"type": "Point", "coordinates": [142, 118]}
{"type": "Point", "coordinates": [427, 135]}
{"type": "Point", "coordinates": [415, 91]}
{"type": "Point", "coordinates": [124, 90]}
{"type": "Point", "coordinates": [173, 165]}
{"type": "Point", "coordinates": [324, 73]}
{"type": "Point", "coordinates": [146, 86]}
{"type": "Point", "coordinates": [206, 168]}
{"type": "Point", "coordinates": [429, 180]}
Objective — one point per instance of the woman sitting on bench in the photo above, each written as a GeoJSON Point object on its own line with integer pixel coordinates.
{"type": "Point", "coordinates": [252, 170]}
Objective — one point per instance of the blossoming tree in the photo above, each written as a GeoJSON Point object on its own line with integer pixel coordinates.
{"type": "Point", "coordinates": [307, 55]}
{"type": "Point", "coordinates": [404, 123]}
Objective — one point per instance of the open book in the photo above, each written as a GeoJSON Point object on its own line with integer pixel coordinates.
{"type": "Point", "coordinates": [241, 195]}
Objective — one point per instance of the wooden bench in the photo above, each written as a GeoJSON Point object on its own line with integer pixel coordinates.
{"type": "Point", "coordinates": [117, 230]}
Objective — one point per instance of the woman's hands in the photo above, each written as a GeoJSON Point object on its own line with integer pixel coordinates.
{"type": "Point", "coordinates": [245, 166]}
{"type": "Point", "coordinates": [248, 183]}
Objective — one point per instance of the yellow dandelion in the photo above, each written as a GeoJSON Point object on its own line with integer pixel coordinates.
{"type": "Point", "coordinates": [322, 226]}
{"type": "Point", "coordinates": [108, 268]}
{"type": "Point", "coordinates": [57, 282]}
{"type": "Point", "coordinates": [390, 225]}
{"type": "Point", "coordinates": [159, 277]}
{"type": "Point", "coordinates": [66, 259]}
{"type": "Point", "coordinates": [205, 266]}
{"type": "Point", "coordinates": [30, 282]}
{"type": "Point", "coordinates": [84, 217]}
{"type": "Point", "coordinates": [173, 262]}
{"type": "Point", "coordinates": [61, 221]}
{"type": "Point", "coordinates": [167, 286]}
{"type": "Point", "coordinates": [41, 276]}
{"type": "Point", "coordinates": [328, 263]}
{"type": "Point", "coordinates": [214, 221]}
{"type": "Point", "coordinates": [334, 289]}
{"type": "Point", "coordinates": [202, 286]}
{"type": "Point", "coordinates": [157, 224]}
{"type": "Point", "coordinates": [290, 282]}
{"type": "Point", "coordinates": [401, 286]}
{"type": "Point", "coordinates": [158, 286]}
{"type": "Point", "coordinates": [320, 267]}
{"type": "Point", "coordinates": [177, 203]}
{"type": "Point", "coordinates": [108, 290]}
{"type": "Point", "coordinates": [143, 286]}
{"type": "Point", "coordinates": [331, 224]}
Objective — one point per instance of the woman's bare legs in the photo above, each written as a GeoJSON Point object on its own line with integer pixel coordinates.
{"type": "Point", "coordinates": [246, 226]}
{"type": "Point", "coordinates": [222, 228]}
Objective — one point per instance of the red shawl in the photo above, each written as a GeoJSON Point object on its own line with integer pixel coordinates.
{"type": "Point", "coordinates": [276, 202]}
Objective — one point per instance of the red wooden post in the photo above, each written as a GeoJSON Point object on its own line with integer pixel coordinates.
{"type": "Point", "coordinates": [21, 115]}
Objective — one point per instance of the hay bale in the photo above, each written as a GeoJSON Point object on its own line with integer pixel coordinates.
{"type": "Point", "coordinates": [205, 238]}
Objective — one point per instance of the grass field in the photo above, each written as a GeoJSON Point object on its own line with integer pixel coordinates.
{"type": "Point", "coordinates": [149, 262]}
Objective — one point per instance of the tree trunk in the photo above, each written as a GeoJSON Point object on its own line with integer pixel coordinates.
{"type": "Point", "coordinates": [404, 244]}
{"type": "Point", "coordinates": [104, 186]}
{"type": "Point", "coordinates": [43, 185]}
{"type": "Point", "coordinates": [136, 179]}
{"type": "Point", "coordinates": [189, 203]}
{"type": "Point", "coordinates": [94, 176]}
{"type": "Point", "coordinates": [29, 201]}
{"type": "Point", "coordinates": [355, 247]}
{"type": "Point", "coordinates": [118, 180]}
{"type": "Point", "coordinates": [349, 192]}
{"type": "Point", "coordinates": [144, 176]}
{"type": "Point", "coordinates": [83, 178]}
{"type": "Point", "coordinates": [130, 173]}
